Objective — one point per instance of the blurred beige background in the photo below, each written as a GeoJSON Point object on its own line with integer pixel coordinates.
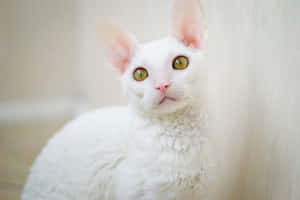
{"type": "Point", "coordinates": [51, 69]}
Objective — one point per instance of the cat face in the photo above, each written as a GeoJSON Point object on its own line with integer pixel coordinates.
{"type": "Point", "coordinates": [161, 76]}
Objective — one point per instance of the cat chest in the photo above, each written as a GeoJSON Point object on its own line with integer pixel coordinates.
{"type": "Point", "coordinates": [166, 160]}
{"type": "Point", "coordinates": [168, 175]}
{"type": "Point", "coordinates": [179, 156]}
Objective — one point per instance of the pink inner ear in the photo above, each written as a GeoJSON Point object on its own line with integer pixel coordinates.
{"type": "Point", "coordinates": [189, 38]}
{"type": "Point", "coordinates": [120, 53]}
{"type": "Point", "coordinates": [119, 45]}
{"type": "Point", "coordinates": [188, 24]}
{"type": "Point", "coordinates": [190, 33]}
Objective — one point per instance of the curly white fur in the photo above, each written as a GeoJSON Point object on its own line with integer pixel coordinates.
{"type": "Point", "coordinates": [138, 158]}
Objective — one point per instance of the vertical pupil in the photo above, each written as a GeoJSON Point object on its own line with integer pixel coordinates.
{"type": "Point", "coordinates": [140, 73]}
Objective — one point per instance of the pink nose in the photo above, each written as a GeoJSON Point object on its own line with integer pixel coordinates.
{"type": "Point", "coordinates": [163, 88]}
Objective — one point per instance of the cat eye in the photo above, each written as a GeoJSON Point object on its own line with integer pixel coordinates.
{"type": "Point", "coordinates": [180, 62]}
{"type": "Point", "coordinates": [140, 74]}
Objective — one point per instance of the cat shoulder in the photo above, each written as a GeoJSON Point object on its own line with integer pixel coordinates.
{"type": "Point", "coordinates": [104, 125]}
{"type": "Point", "coordinates": [100, 119]}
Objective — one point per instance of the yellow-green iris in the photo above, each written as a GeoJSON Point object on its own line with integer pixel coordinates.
{"type": "Point", "coordinates": [140, 74]}
{"type": "Point", "coordinates": [180, 62]}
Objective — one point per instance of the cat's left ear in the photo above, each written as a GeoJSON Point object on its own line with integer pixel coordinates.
{"type": "Point", "coordinates": [188, 24]}
{"type": "Point", "coordinates": [118, 44]}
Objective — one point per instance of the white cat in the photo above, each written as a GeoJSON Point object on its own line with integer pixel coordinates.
{"type": "Point", "coordinates": [154, 149]}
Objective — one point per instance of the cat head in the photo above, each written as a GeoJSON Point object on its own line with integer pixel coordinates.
{"type": "Point", "coordinates": [162, 76]}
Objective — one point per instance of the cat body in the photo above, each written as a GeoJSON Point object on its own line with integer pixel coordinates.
{"type": "Point", "coordinates": [157, 148]}
{"type": "Point", "coordinates": [138, 158]}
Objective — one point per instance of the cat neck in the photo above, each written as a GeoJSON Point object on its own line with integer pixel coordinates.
{"type": "Point", "coordinates": [186, 121]}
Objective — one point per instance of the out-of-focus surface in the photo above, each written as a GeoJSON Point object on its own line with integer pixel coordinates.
{"type": "Point", "coordinates": [38, 49]}
{"type": "Point", "coordinates": [19, 145]}
{"type": "Point", "coordinates": [51, 68]}
{"type": "Point", "coordinates": [273, 154]}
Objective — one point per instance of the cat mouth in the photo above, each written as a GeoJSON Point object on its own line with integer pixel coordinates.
{"type": "Point", "coordinates": [166, 98]}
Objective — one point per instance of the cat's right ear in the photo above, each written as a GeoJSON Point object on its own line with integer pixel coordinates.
{"type": "Point", "coordinates": [118, 44]}
{"type": "Point", "coordinates": [188, 24]}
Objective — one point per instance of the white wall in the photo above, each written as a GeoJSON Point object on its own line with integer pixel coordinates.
{"type": "Point", "coordinates": [273, 159]}
{"type": "Point", "coordinates": [41, 49]}
{"type": "Point", "coordinates": [38, 59]}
